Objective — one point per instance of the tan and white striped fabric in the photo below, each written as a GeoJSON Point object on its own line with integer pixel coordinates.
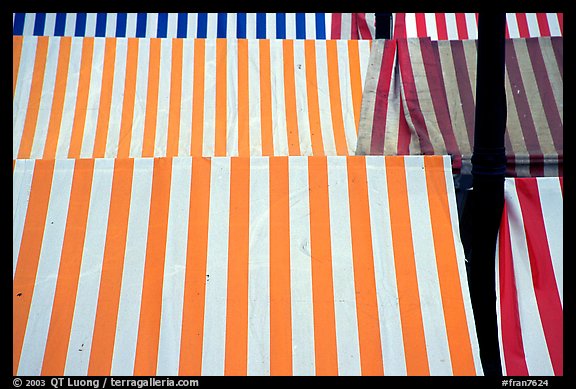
{"type": "Point", "coordinates": [149, 97]}
{"type": "Point", "coordinates": [239, 266]}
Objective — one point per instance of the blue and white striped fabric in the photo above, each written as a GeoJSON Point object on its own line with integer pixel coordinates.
{"type": "Point", "coordinates": [176, 25]}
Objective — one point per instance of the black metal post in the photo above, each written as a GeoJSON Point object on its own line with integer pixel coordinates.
{"type": "Point", "coordinates": [488, 171]}
{"type": "Point", "coordinates": [383, 25]}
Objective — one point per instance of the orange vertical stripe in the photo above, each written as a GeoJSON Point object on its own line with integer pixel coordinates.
{"type": "Point", "coordinates": [112, 268]}
{"type": "Point", "coordinates": [16, 54]}
{"type": "Point", "coordinates": [152, 99]}
{"type": "Point", "coordinates": [237, 300]}
{"type": "Point", "coordinates": [195, 281]}
{"type": "Point", "coordinates": [312, 93]}
{"type": "Point", "coordinates": [280, 310]}
{"type": "Point", "coordinates": [266, 98]}
{"type": "Point", "coordinates": [69, 270]}
{"type": "Point", "coordinates": [404, 262]}
{"type": "Point", "coordinates": [34, 99]}
{"type": "Point", "coordinates": [364, 278]}
{"type": "Point", "coordinates": [175, 98]}
{"type": "Point", "coordinates": [221, 109]}
{"type": "Point", "coordinates": [290, 98]}
{"type": "Point", "coordinates": [29, 255]}
{"type": "Point", "coordinates": [321, 257]}
{"type": "Point", "coordinates": [448, 275]}
{"type": "Point", "coordinates": [129, 96]}
{"type": "Point", "coordinates": [105, 99]}
{"type": "Point", "coordinates": [151, 305]}
{"type": "Point", "coordinates": [81, 98]}
{"type": "Point", "coordinates": [58, 100]}
{"type": "Point", "coordinates": [335, 98]}
{"type": "Point", "coordinates": [243, 100]}
{"type": "Point", "coordinates": [355, 79]}
{"type": "Point", "coordinates": [198, 98]}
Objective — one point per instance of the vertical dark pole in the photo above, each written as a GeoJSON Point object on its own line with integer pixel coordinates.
{"type": "Point", "coordinates": [488, 171]}
{"type": "Point", "coordinates": [383, 25]}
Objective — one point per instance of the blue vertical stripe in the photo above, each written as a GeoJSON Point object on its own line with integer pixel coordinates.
{"type": "Point", "coordinates": [121, 25]}
{"type": "Point", "coordinates": [18, 23]}
{"type": "Point", "coordinates": [202, 25]}
{"type": "Point", "coordinates": [80, 24]}
{"type": "Point", "coordinates": [261, 25]}
{"type": "Point", "coordinates": [300, 26]}
{"type": "Point", "coordinates": [320, 26]}
{"type": "Point", "coordinates": [141, 25]}
{"type": "Point", "coordinates": [221, 26]}
{"type": "Point", "coordinates": [162, 25]}
{"type": "Point", "coordinates": [60, 25]}
{"type": "Point", "coordinates": [280, 26]}
{"type": "Point", "coordinates": [39, 24]}
{"type": "Point", "coordinates": [100, 24]}
{"type": "Point", "coordinates": [241, 25]}
{"type": "Point", "coordinates": [182, 25]}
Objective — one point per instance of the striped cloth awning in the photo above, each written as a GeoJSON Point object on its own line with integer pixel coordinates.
{"type": "Point", "coordinates": [419, 97]}
{"type": "Point", "coordinates": [437, 26]}
{"type": "Point", "coordinates": [80, 97]}
{"type": "Point", "coordinates": [529, 277]}
{"type": "Point", "coordinates": [235, 266]}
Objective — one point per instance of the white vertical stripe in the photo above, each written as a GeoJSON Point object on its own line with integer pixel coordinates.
{"type": "Point", "coordinates": [140, 96]}
{"type": "Point", "coordinates": [87, 149]}
{"type": "Point", "coordinates": [552, 202]}
{"type": "Point", "coordinates": [553, 24]}
{"type": "Point", "coordinates": [471, 25]}
{"type": "Point", "coordinates": [328, 24]}
{"type": "Point", "coordinates": [184, 143]}
{"type": "Point", "coordinates": [460, 261]}
{"type": "Point", "coordinates": [303, 355]}
{"type": "Point", "coordinates": [152, 25]}
{"type": "Point", "coordinates": [131, 20]}
{"type": "Point", "coordinates": [255, 120]}
{"type": "Point", "coordinates": [426, 270]}
{"type": "Point", "coordinates": [310, 25]}
{"type": "Point", "coordinates": [128, 318]}
{"type": "Point", "coordinates": [209, 98]}
{"type": "Point", "coordinates": [90, 30]}
{"type": "Point", "coordinates": [214, 339]}
{"type": "Point", "coordinates": [49, 24]}
{"type": "Point", "coordinates": [533, 339]}
{"type": "Point", "coordinates": [364, 53]}
{"type": "Point", "coordinates": [172, 28]}
{"type": "Point", "coordinates": [290, 25]}
{"type": "Point", "coordinates": [512, 23]}
{"type": "Point", "coordinates": [498, 305]}
{"type": "Point", "coordinates": [111, 20]}
{"type": "Point", "coordinates": [174, 268]}
{"type": "Point", "coordinates": [302, 98]}
{"type": "Point", "coordinates": [21, 186]}
{"type": "Point", "coordinates": [29, 20]}
{"type": "Point", "coordinates": [250, 25]}
{"type": "Point", "coordinates": [323, 92]}
{"type": "Point", "coordinates": [192, 28]}
{"type": "Point", "coordinates": [22, 91]}
{"type": "Point", "coordinates": [411, 31]}
{"type": "Point", "coordinates": [45, 107]}
{"type": "Point", "coordinates": [259, 269]}
{"type": "Point", "coordinates": [82, 328]}
{"type": "Point", "coordinates": [431, 28]}
{"type": "Point", "coordinates": [70, 26]}
{"type": "Point", "coordinates": [451, 27]}
{"type": "Point", "coordinates": [384, 269]}
{"type": "Point", "coordinates": [161, 140]}
{"type": "Point", "coordinates": [271, 25]}
{"type": "Point", "coordinates": [279, 128]}
{"type": "Point", "coordinates": [347, 340]}
{"type": "Point", "coordinates": [47, 275]}
{"type": "Point", "coordinates": [117, 98]}
{"type": "Point", "coordinates": [371, 22]}
{"type": "Point", "coordinates": [532, 21]}
{"type": "Point", "coordinates": [232, 97]}
{"type": "Point", "coordinates": [346, 26]}
{"type": "Point", "coordinates": [212, 25]}
{"type": "Point", "coordinates": [232, 26]}
{"type": "Point", "coordinates": [69, 109]}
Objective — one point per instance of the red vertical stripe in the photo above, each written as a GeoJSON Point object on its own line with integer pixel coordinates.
{"type": "Point", "coordinates": [512, 346]}
{"type": "Point", "coordinates": [336, 26]}
{"type": "Point", "coordinates": [545, 288]}
{"type": "Point", "coordinates": [522, 25]}
{"type": "Point", "coordinates": [461, 25]}
{"type": "Point", "coordinates": [543, 24]}
{"type": "Point", "coordinates": [382, 98]}
{"type": "Point", "coordinates": [561, 22]}
{"type": "Point", "coordinates": [363, 29]}
{"type": "Point", "coordinates": [404, 133]}
{"type": "Point", "coordinates": [399, 26]}
{"type": "Point", "coordinates": [441, 28]}
{"type": "Point", "coordinates": [353, 26]}
{"type": "Point", "coordinates": [421, 25]}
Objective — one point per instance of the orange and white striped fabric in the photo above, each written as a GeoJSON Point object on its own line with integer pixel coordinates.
{"type": "Point", "coordinates": [150, 97]}
{"type": "Point", "coordinates": [529, 277]}
{"type": "Point", "coordinates": [239, 266]}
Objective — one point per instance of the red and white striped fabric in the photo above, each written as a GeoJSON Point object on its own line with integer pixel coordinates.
{"type": "Point", "coordinates": [239, 266]}
{"type": "Point", "coordinates": [353, 26]}
{"type": "Point", "coordinates": [529, 277]}
{"type": "Point", "coordinates": [151, 97]}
